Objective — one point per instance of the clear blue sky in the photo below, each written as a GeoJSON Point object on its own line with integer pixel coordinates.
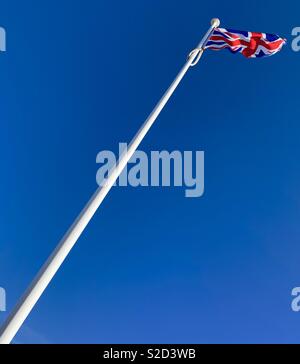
{"type": "Point", "coordinates": [152, 267]}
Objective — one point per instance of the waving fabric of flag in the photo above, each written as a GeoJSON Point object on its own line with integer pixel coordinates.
{"type": "Point", "coordinates": [250, 44]}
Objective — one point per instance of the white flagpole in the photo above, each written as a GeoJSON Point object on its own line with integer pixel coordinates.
{"type": "Point", "coordinates": [48, 270]}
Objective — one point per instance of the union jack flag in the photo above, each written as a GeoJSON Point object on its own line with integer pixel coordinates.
{"type": "Point", "coordinates": [250, 44]}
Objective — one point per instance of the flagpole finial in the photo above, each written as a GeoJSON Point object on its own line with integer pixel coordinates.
{"type": "Point", "coordinates": [215, 22]}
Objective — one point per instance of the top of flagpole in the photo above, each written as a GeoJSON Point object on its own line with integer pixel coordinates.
{"type": "Point", "coordinates": [197, 52]}
{"type": "Point", "coordinates": [215, 22]}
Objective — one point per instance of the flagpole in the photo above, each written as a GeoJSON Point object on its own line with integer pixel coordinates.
{"type": "Point", "coordinates": [53, 263]}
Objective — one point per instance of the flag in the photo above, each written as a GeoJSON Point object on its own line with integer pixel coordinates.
{"type": "Point", "coordinates": [250, 44]}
